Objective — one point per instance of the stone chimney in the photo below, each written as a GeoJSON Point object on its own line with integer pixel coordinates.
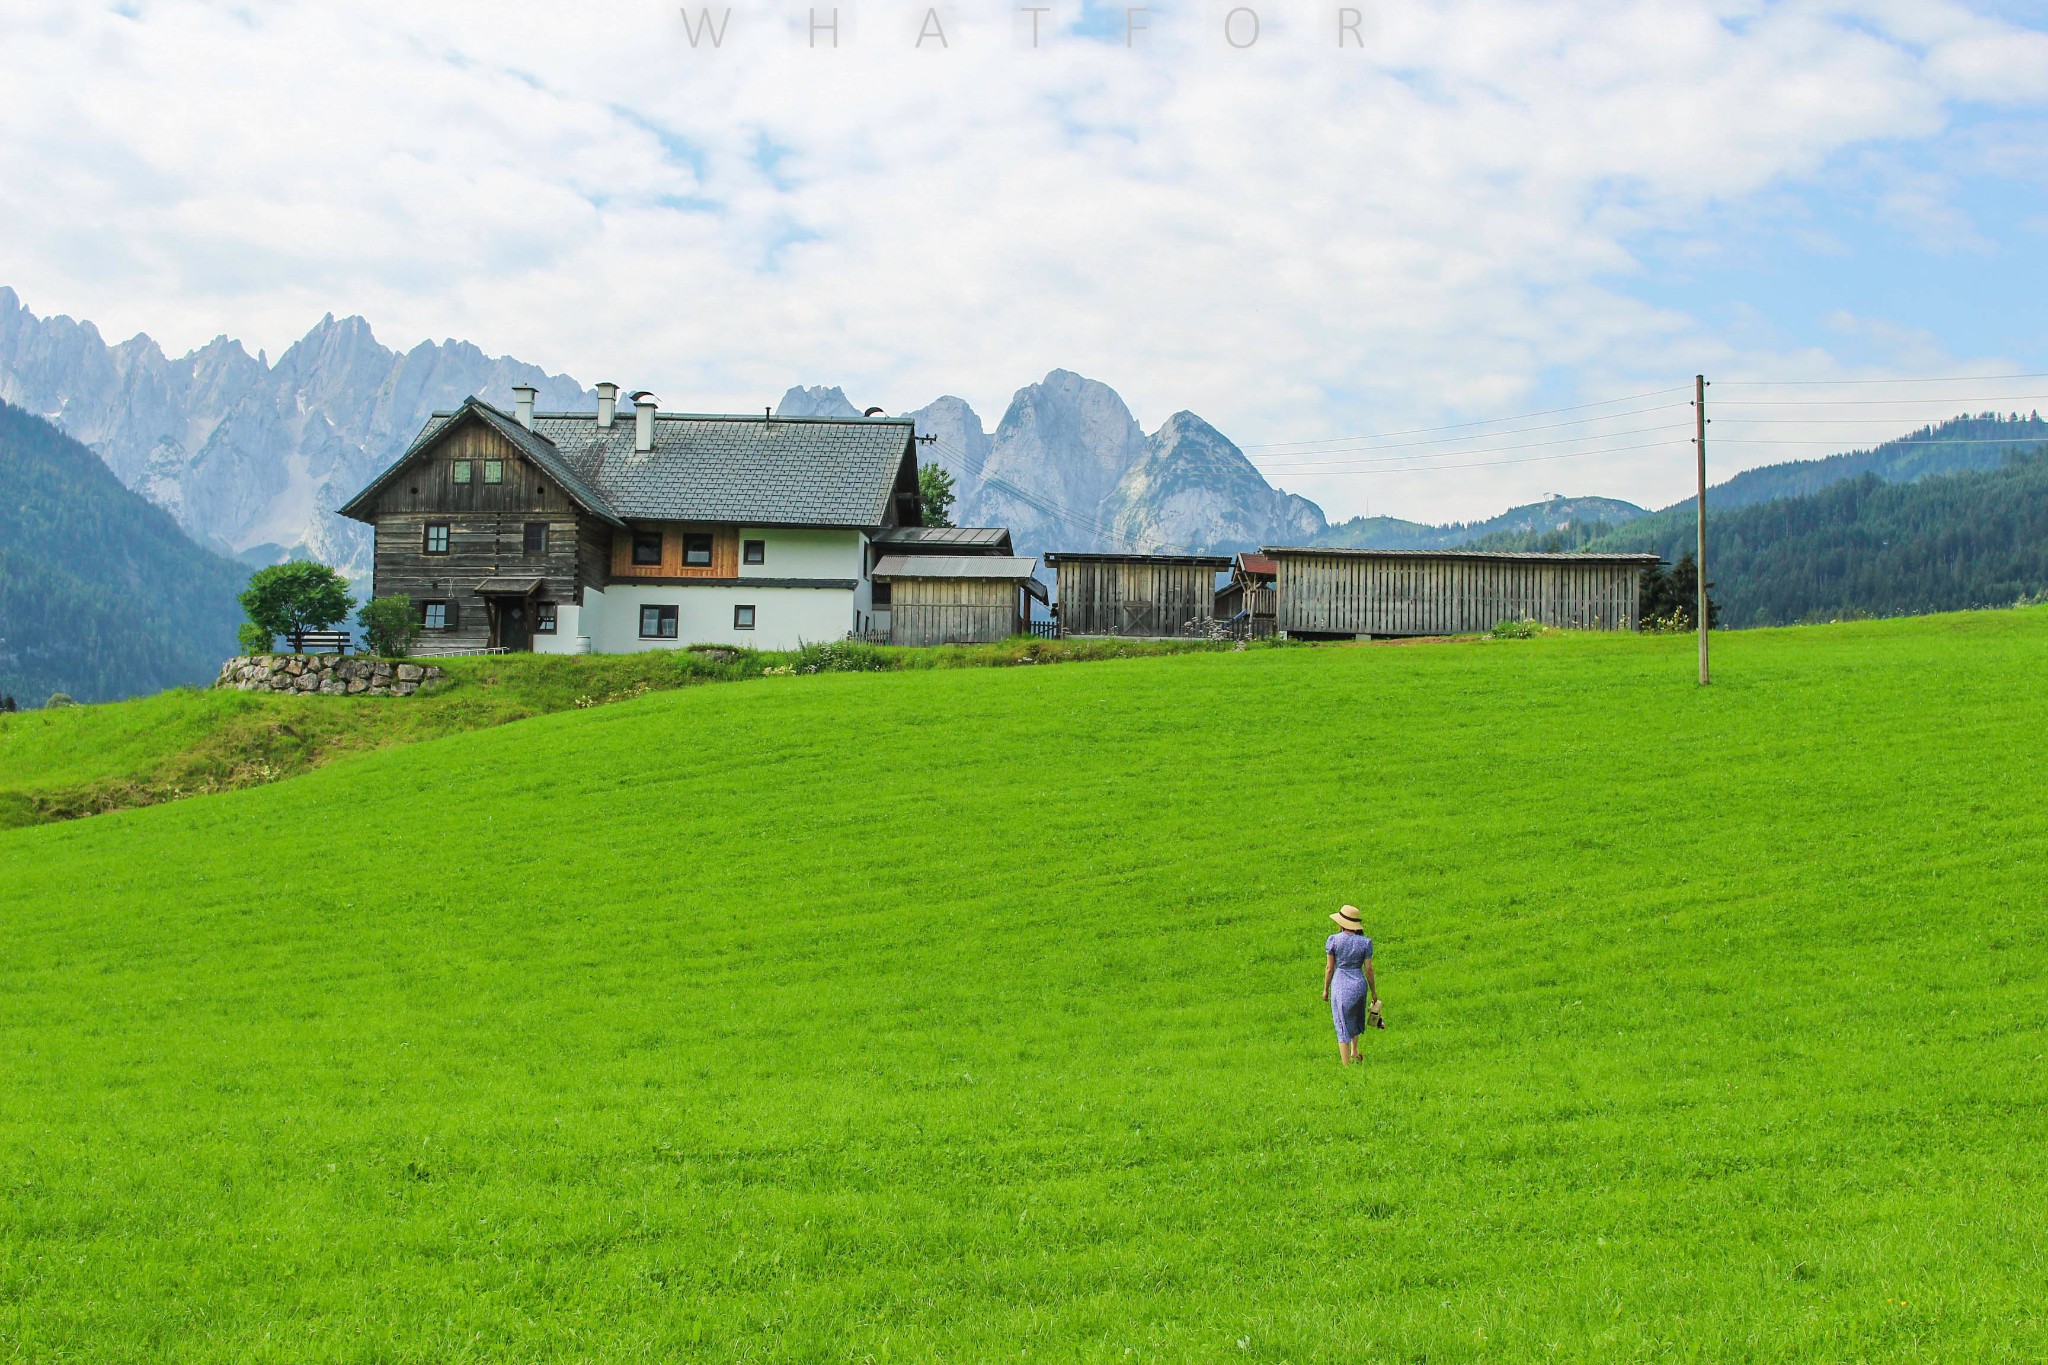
{"type": "Point", "coordinates": [607, 405]}
{"type": "Point", "coordinates": [643, 422]}
{"type": "Point", "coordinates": [522, 403]}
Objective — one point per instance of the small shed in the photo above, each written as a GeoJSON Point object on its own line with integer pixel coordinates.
{"type": "Point", "coordinates": [958, 599]}
{"type": "Point", "coordinates": [1247, 601]}
{"type": "Point", "coordinates": [1350, 593]}
{"type": "Point", "coordinates": [1134, 595]}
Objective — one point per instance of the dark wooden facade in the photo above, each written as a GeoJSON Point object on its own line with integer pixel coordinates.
{"type": "Point", "coordinates": [1134, 595]}
{"type": "Point", "coordinates": [488, 539]}
{"type": "Point", "coordinates": [1353, 593]}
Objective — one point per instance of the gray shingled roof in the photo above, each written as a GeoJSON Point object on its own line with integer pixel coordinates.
{"type": "Point", "coordinates": [762, 471]}
{"type": "Point", "coordinates": [759, 471]}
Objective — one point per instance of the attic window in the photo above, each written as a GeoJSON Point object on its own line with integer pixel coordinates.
{"type": "Point", "coordinates": [462, 471]}
{"type": "Point", "coordinates": [494, 471]}
{"type": "Point", "coordinates": [697, 549]}
{"type": "Point", "coordinates": [647, 547]}
{"type": "Point", "coordinates": [755, 552]}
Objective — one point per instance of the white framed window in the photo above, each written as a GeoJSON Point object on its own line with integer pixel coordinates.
{"type": "Point", "coordinates": [434, 615]}
{"type": "Point", "coordinates": [743, 618]}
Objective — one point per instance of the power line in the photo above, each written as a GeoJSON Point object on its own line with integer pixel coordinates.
{"type": "Point", "coordinates": [1454, 454]}
{"type": "Point", "coordinates": [1482, 436]}
{"type": "Point", "coordinates": [1458, 426]}
{"type": "Point", "coordinates": [1948, 379]}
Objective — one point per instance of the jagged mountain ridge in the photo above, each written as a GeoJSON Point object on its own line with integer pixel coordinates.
{"type": "Point", "coordinates": [1069, 468]}
{"type": "Point", "coordinates": [251, 457]}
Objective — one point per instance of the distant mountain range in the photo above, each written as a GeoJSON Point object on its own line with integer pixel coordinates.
{"type": "Point", "coordinates": [101, 595]}
{"type": "Point", "coordinates": [1068, 467]}
{"type": "Point", "coordinates": [252, 457]}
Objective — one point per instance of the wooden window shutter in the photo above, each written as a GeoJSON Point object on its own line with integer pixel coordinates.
{"type": "Point", "coordinates": [454, 614]}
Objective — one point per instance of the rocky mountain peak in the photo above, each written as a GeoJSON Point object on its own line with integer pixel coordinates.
{"type": "Point", "coordinates": [817, 401]}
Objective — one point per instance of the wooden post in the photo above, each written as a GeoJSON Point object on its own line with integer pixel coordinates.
{"type": "Point", "coordinates": [1699, 558]}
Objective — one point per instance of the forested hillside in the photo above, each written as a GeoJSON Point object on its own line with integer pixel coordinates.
{"type": "Point", "coordinates": [1536, 518]}
{"type": "Point", "coordinates": [1951, 447]}
{"type": "Point", "coordinates": [1859, 547]}
{"type": "Point", "coordinates": [101, 595]}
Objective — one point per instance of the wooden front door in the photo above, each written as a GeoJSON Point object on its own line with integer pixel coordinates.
{"type": "Point", "coordinates": [511, 625]}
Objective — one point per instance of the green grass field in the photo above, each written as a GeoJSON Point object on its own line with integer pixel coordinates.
{"type": "Point", "coordinates": [63, 763]}
{"type": "Point", "coordinates": [973, 1015]}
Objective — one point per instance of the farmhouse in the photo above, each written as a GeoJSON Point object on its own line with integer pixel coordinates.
{"type": "Point", "coordinates": [1327, 593]}
{"type": "Point", "coordinates": [1134, 594]}
{"type": "Point", "coordinates": [572, 532]}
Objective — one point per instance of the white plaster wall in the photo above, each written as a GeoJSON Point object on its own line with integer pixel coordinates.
{"type": "Point", "coordinates": [572, 626]}
{"type": "Point", "coordinates": [783, 617]}
{"type": "Point", "coordinates": [796, 553]}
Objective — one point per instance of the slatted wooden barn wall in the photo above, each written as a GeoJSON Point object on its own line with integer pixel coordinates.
{"type": "Point", "coordinates": [952, 611]}
{"type": "Point", "coordinates": [1112, 597]}
{"type": "Point", "coordinates": [1438, 595]}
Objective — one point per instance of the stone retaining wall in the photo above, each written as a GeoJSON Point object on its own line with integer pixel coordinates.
{"type": "Point", "coordinates": [326, 675]}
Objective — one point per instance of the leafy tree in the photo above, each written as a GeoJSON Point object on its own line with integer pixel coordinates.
{"type": "Point", "coordinates": [390, 625]}
{"type": "Point", "coordinates": [254, 639]}
{"type": "Point", "coordinates": [1671, 596]}
{"type": "Point", "coordinates": [286, 599]}
{"type": "Point", "coordinates": [935, 490]}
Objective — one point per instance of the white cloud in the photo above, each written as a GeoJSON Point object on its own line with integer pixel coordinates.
{"type": "Point", "coordinates": [1293, 240]}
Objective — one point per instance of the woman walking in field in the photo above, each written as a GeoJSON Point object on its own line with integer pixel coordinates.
{"type": "Point", "coordinates": [1348, 966]}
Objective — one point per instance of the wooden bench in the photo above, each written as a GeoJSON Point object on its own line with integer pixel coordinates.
{"type": "Point", "coordinates": [319, 642]}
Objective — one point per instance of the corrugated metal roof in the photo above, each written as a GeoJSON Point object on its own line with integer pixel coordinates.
{"type": "Point", "coordinates": [757, 471]}
{"type": "Point", "coordinates": [1091, 557]}
{"type": "Point", "coordinates": [916, 539]}
{"type": "Point", "coordinates": [953, 566]}
{"type": "Point", "coordinates": [1561, 557]}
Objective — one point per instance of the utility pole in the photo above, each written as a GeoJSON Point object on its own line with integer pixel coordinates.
{"type": "Point", "coordinates": [1699, 558]}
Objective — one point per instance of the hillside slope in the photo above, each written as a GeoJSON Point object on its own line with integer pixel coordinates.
{"type": "Point", "coordinates": [1956, 446]}
{"type": "Point", "coordinates": [1536, 518]}
{"type": "Point", "coordinates": [1862, 547]}
{"type": "Point", "coordinates": [101, 595]}
{"type": "Point", "coordinates": [965, 1015]}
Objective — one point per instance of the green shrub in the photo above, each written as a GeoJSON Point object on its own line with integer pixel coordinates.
{"type": "Point", "coordinates": [389, 625]}
{"type": "Point", "coordinates": [58, 699]}
{"type": "Point", "coordinates": [254, 639]}
{"type": "Point", "coordinates": [841, 656]}
{"type": "Point", "coordinates": [1524, 629]}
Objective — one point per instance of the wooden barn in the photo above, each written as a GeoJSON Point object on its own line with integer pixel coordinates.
{"type": "Point", "coordinates": [1350, 593]}
{"type": "Point", "coordinates": [1248, 601]}
{"type": "Point", "coordinates": [1133, 594]}
{"type": "Point", "coordinates": [957, 599]}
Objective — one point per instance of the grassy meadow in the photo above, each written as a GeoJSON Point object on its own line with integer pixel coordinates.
{"type": "Point", "coordinates": [972, 1014]}
{"type": "Point", "coordinates": [65, 762]}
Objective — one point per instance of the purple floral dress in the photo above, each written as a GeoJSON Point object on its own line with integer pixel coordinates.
{"type": "Point", "coordinates": [1347, 987]}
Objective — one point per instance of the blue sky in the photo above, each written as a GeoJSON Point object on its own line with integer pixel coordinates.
{"type": "Point", "coordinates": [1493, 207]}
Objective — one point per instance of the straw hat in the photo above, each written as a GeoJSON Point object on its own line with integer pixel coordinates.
{"type": "Point", "coordinates": [1347, 918]}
